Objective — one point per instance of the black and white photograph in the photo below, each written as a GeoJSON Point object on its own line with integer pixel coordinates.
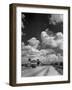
{"type": "Point", "coordinates": [41, 44]}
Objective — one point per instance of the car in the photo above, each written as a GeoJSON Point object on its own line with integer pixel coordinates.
{"type": "Point", "coordinates": [33, 63]}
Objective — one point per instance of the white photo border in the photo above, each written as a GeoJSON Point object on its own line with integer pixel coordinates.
{"type": "Point", "coordinates": [64, 77]}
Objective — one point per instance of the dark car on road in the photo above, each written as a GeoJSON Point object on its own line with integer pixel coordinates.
{"type": "Point", "coordinates": [33, 63]}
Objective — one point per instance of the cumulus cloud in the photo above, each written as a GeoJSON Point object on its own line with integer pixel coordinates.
{"type": "Point", "coordinates": [44, 55]}
{"type": "Point", "coordinates": [33, 42]}
{"type": "Point", "coordinates": [28, 47]}
{"type": "Point", "coordinates": [48, 40]}
{"type": "Point", "coordinates": [59, 40]}
{"type": "Point", "coordinates": [53, 41]}
{"type": "Point", "coordinates": [30, 50]}
{"type": "Point", "coordinates": [52, 57]}
{"type": "Point", "coordinates": [44, 52]}
{"type": "Point", "coordinates": [56, 18]}
{"type": "Point", "coordinates": [59, 35]}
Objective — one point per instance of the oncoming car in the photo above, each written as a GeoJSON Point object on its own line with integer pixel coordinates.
{"type": "Point", "coordinates": [33, 63]}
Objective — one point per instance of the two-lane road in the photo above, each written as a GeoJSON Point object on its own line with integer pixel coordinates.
{"type": "Point", "coordinates": [39, 71]}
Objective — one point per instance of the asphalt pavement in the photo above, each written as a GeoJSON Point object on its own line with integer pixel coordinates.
{"type": "Point", "coordinates": [39, 71]}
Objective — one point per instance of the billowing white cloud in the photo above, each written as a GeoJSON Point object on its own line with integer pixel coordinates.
{"type": "Point", "coordinates": [52, 57]}
{"type": "Point", "coordinates": [31, 50]}
{"type": "Point", "coordinates": [44, 52]}
{"type": "Point", "coordinates": [44, 55]}
{"type": "Point", "coordinates": [53, 41]}
{"type": "Point", "coordinates": [56, 18]}
{"type": "Point", "coordinates": [59, 40]}
{"type": "Point", "coordinates": [33, 42]}
{"type": "Point", "coordinates": [59, 43]}
{"type": "Point", "coordinates": [48, 40]}
{"type": "Point", "coordinates": [59, 35]}
{"type": "Point", "coordinates": [28, 47]}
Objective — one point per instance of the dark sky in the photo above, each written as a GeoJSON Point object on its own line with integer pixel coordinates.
{"type": "Point", "coordinates": [34, 24]}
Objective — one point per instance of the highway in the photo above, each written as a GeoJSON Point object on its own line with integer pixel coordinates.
{"type": "Point", "coordinates": [39, 71]}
